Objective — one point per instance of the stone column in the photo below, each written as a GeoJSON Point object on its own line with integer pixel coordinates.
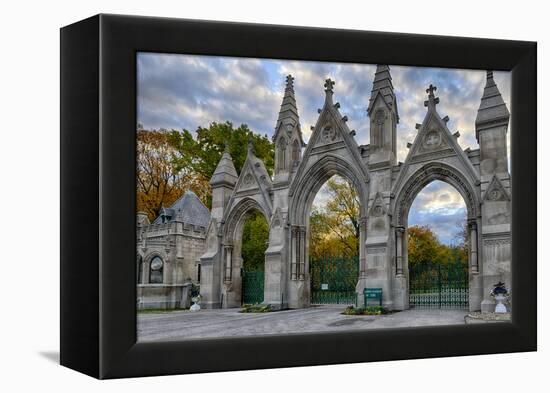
{"type": "Point", "coordinates": [228, 263]}
{"type": "Point", "coordinates": [362, 238]}
{"type": "Point", "coordinates": [399, 251]}
{"type": "Point", "coordinates": [474, 267]}
{"type": "Point", "coordinates": [302, 252]}
{"type": "Point", "coordinates": [293, 251]}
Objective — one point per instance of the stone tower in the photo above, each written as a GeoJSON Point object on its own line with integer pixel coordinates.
{"type": "Point", "coordinates": [491, 129]}
{"type": "Point", "coordinates": [223, 182]}
{"type": "Point", "coordinates": [288, 136]}
{"type": "Point", "coordinates": [383, 114]}
{"type": "Point", "coordinates": [384, 117]}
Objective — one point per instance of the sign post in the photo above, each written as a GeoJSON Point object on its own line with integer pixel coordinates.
{"type": "Point", "coordinates": [373, 294]}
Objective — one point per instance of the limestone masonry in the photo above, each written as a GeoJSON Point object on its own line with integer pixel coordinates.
{"type": "Point", "coordinates": [179, 241]}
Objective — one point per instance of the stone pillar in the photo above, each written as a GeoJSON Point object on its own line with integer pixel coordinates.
{"type": "Point", "coordinates": [399, 251]}
{"type": "Point", "coordinates": [298, 285]}
{"type": "Point", "coordinates": [474, 266]}
{"type": "Point", "coordinates": [294, 257]}
{"type": "Point", "coordinates": [362, 239]}
{"type": "Point", "coordinates": [228, 263]}
{"type": "Point", "coordinates": [362, 279]}
{"type": "Point", "coordinates": [302, 252]}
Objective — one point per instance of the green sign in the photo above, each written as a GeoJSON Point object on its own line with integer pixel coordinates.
{"type": "Point", "coordinates": [373, 294]}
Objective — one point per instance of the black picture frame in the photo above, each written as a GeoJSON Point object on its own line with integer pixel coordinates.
{"type": "Point", "coordinates": [98, 160]}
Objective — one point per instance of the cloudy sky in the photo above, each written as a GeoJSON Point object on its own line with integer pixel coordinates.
{"type": "Point", "coordinates": [187, 91]}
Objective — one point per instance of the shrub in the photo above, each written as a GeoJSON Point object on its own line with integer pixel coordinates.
{"type": "Point", "coordinates": [369, 310]}
{"type": "Point", "coordinates": [256, 308]}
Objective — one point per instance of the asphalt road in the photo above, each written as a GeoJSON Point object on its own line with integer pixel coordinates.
{"type": "Point", "coordinates": [182, 325]}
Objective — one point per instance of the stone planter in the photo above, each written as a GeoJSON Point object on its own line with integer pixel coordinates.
{"type": "Point", "coordinates": [195, 306]}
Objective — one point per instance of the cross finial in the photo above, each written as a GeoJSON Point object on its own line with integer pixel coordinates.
{"type": "Point", "coordinates": [289, 81]}
{"type": "Point", "coordinates": [432, 99]}
{"type": "Point", "coordinates": [329, 85]}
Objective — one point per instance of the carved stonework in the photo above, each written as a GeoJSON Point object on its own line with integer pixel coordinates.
{"type": "Point", "coordinates": [376, 250]}
{"type": "Point", "coordinates": [425, 175]}
{"type": "Point", "coordinates": [496, 192]}
{"type": "Point", "coordinates": [432, 140]}
{"type": "Point", "coordinates": [329, 134]}
{"type": "Point", "coordinates": [248, 180]}
{"type": "Point", "coordinates": [497, 242]}
{"type": "Point", "coordinates": [378, 209]}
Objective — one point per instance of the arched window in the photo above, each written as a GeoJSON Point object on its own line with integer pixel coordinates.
{"type": "Point", "coordinates": [281, 164]}
{"type": "Point", "coordinates": [140, 270]}
{"type": "Point", "coordinates": [295, 152]}
{"type": "Point", "coordinates": [379, 119]}
{"type": "Point", "coordinates": [156, 268]}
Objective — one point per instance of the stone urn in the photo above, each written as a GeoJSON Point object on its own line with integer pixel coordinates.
{"type": "Point", "coordinates": [500, 294]}
{"type": "Point", "coordinates": [196, 300]}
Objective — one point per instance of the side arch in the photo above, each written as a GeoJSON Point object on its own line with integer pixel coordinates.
{"type": "Point", "coordinates": [238, 212]}
{"type": "Point", "coordinates": [231, 255]}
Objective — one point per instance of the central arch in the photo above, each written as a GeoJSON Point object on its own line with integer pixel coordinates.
{"type": "Point", "coordinates": [302, 194]}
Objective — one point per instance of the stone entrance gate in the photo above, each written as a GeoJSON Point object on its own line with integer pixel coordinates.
{"type": "Point", "coordinates": [386, 190]}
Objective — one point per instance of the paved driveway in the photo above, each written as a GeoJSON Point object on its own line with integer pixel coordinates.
{"type": "Point", "coordinates": [180, 325]}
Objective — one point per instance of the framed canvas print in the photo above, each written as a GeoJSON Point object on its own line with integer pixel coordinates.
{"type": "Point", "coordinates": [240, 196]}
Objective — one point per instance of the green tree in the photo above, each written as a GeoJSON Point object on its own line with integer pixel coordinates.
{"type": "Point", "coordinates": [203, 153]}
{"type": "Point", "coordinates": [254, 241]}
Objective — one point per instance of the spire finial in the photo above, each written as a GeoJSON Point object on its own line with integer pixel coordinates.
{"type": "Point", "coordinates": [329, 85]}
{"type": "Point", "coordinates": [432, 99]}
{"type": "Point", "coordinates": [250, 145]}
{"type": "Point", "coordinates": [289, 81]}
{"type": "Point", "coordinates": [226, 146]}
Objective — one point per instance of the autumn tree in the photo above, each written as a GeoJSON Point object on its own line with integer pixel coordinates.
{"type": "Point", "coordinates": [160, 182]}
{"type": "Point", "coordinates": [334, 228]}
{"type": "Point", "coordinates": [424, 248]}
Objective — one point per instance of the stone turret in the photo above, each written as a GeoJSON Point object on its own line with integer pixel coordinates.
{"type": "Point", "coordinates": [491, 128]}
{"type": "Point", "coordinates": [383, 114]}
{"type": "Point", "coordinates": [223, 182]}
{"type": "Point", "coordinates": [288, 135]}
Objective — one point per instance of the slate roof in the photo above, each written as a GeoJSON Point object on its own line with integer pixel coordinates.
{"type": "Point", "coordinates": [188, 209]}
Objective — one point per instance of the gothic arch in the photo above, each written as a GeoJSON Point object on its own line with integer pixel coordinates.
{"type": "Point", "coordinates": [305, 188]}
{"type": "Point", "coordinates": [237, 214]}
{"type": "Point", "coordinates": [425, 175]}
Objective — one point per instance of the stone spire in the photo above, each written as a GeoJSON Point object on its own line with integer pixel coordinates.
{"type": "Point", "coordinates": [225, 173]}
{"type": "Point", "coordinates": [492, 109]}
{"type": "Point", "coordinates": [383, 117]}
{"type": "Point", "coordinates": [288, 135]}
{"type": "Point", "coordinates": [383, 85]}
{"type": "Point", "coordinates": [288, 114]}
